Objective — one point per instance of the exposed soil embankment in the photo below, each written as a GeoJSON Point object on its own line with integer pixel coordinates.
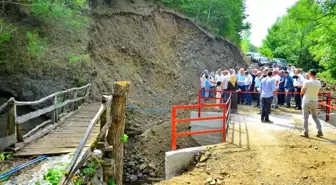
{"type": "Point", "coordinates": [161, 53]}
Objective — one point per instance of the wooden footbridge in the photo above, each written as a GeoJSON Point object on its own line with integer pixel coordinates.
{"type": "Point", "coordinates": [74, 126]}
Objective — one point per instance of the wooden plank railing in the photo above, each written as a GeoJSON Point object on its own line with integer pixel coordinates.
{"type": "Point", "coordinates": [112, 111]}
{"type": "Point", "coordinates": [14, 120]}
{"type": "Point", "coordinates": [10, 137]}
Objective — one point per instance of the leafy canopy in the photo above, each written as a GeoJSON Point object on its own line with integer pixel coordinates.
{"type": "Point", "coordinates": [224, 17]}
{"type": "Point", "coordinates": [306, 36]}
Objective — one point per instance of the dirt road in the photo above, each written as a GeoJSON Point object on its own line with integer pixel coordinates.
{"type": "Point", "coordinates": [261, 153]}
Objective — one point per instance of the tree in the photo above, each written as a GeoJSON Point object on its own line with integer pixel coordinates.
{"type": "Point", "coordinates": [305, 36]}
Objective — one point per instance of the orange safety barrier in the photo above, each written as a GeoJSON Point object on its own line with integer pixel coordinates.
{"type": "Point", "coordinates": [226, 110]}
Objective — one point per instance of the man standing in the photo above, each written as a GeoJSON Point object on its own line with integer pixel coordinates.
{"type": "Point", "coordinates": [310, 91]}
{"type": "Point", "coordinates": [254, 75]}
{"type": "Point", "coordinates": [276, 78]}
{"type": "Point", "coordinates": [241, 86]}
{"type": "Point", "coordinates": [289, 88]}
{"type": "Point", "coordinates": [267, 87]}
{"type": "Point", "coordinates": [248, 83]}
{"type": "Point", "coordinates": [298, 82]}
{"type": "Point", "coordinates": [281, 95]}
{"type": "Point", "coordinates": [256, 88]}
{"type": "Point", "coordinates": [225, 81]}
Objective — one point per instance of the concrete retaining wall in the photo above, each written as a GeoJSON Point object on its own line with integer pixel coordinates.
{"type": "Point", "coordinates": [332, 120]}
{"type": "Point", "coordinates": [206, 139]}
{"type": "Point", "coordinates": [177, 160]}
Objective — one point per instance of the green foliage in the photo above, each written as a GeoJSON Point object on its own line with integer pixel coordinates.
{"type": "Point", "coordinates": [53, 175]}
{"type": "Point", "coordinates": [305, 36]}
{"type": "Point", "coordinates": [77, 180]}
{"type": "Point", "coordinates": [223, 17]}
{"type": "Point", "coordinates": [4, 179]}
{"type": "Point", "coordinates": [124, 138]}
{"type": "Point", "coordinates": [5, 156]}
{"type": "Point", "coordinates": [90, 170]}
{"type": "Point", "coordinates": [246, 44]}
{"type": "Point", "coordinates": [36, 46]}
{"type": "Point", "coordinates": [78, 58]}
{"type": "Point", "coordinates": [111, 182]}
{"type": "Point", "coordinates": [60, 12]}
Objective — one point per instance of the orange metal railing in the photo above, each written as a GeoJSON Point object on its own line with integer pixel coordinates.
{"type": "Point", "coordinates": [226, 108]}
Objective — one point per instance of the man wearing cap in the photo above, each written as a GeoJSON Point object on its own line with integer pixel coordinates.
{"type": "Point", "coordinates": [310, 90]}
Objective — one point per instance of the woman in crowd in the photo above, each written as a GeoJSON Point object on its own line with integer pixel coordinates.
{"type": "Point", "coordinates": [218, 94]}
{"type": "Point", "coordinates": [232, 87]}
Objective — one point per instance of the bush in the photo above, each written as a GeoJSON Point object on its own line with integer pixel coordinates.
{"type": "Point", "coordinates": [36, 46]}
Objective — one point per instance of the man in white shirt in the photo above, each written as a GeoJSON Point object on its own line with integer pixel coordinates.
{"type": "Point", "coordinates": [310, 90]}
{"type": "Point", "coordinates": [248, 83]}
{"type": "Point", "coordinates": [297, 82]}
{"type": "Point", "coordinates": [276, 79]}
{"type": "Point", "coordinates": [225, 81]}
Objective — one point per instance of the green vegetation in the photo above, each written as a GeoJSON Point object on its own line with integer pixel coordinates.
{"type": "Point", "coordinates": [305, 36]}
{"type": "Point", "coordinates": [111, 182]}
{"type": "Point", "coordinates": [5, 156]}
{"type": "Point", "coordinates": [223, 17]}
{"type": "Point", "coordinates": [124, 138]}
{"type": "Point", "coordinates": [34, 49]}
{"type": "Point", "coordinates": [246, 44]}
{"type": "Point", "coordinates": [78, 58]}
{"type": "Point", "coordinates": [53, 175]}
{"type": "Point", "coordinates": [36, 46]}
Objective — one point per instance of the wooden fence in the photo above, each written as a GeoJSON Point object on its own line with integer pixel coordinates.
{"type": "Point", "coordinates": [111, 117]}
{"type": "Point", "coordinates": [59, 101]}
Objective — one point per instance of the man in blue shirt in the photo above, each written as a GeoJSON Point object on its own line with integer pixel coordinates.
{"type": "Point", "coordinates": [289, 88]}
{"type": "Point", "coordinates": [267, 87]}
{"type": "Point", "coordinates": [241, 85]}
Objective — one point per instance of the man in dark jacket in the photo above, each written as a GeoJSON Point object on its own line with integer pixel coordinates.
{"type": "Point", "coordinates": [289, 88]}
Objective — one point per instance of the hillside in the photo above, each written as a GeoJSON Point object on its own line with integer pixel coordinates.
{"type": "Point", "coordinates": [160, 52]}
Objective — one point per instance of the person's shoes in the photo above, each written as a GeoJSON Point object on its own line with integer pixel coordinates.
{"type": "Point", "coordinates": [319, 134]}
{"type": "Point", "coordinates": [298, 108]}
{"type": "Point", "coordinates": [304, 134]}
{"type": "Point", "coordinates": [268, 121]}
{"type": "Point", "coordinates": [246, 103]}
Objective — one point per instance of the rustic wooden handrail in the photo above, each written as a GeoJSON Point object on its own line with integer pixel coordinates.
{"type": "Point", "coordinates": [3, 106]}
{"type": "Point", "coordinates": [37, 113]}
{"type": "Point", "coordinates": [21, 103]}
{"type": "Point", "coordinates": [111, 117]}
{"type": "Point", "coordinates": [73, 166]}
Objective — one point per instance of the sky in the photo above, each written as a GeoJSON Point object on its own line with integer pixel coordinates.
{"type": "Point", "coordinates": [262, 14]}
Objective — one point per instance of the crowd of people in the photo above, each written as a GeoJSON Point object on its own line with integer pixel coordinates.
{"type": "Point", "coordinates": [265, 87]}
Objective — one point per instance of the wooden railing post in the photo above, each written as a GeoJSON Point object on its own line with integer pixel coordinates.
{"type": "Point", "coordinates": [10, 137]}
{"type": "Point", "coordinates": [104, 118]}
{"type": "Point", "coordinates": [19, 135]}
{"type": "Point", "coordinates": [54, 116]}
{"type": "Point", "coordinates": [74, 105]}
{"type": "Point", "coordinates": [10, 127]}
{"type": "Point", "coordinates": [116, 131]}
